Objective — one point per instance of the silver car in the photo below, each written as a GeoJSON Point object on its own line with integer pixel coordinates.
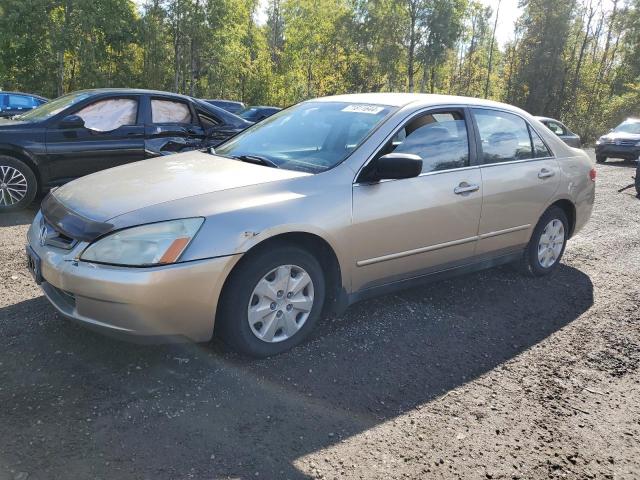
{"type": "Point", "coordinates": [319, 206]}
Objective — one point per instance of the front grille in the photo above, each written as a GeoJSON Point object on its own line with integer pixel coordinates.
{"type": "Point", "coordinates": [53, 238]}
{"type": "Point", "coordinates": [622, 143]}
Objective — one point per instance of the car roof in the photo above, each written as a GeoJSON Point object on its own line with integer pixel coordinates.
{"type": "Point", "coordinates": [414, 99]}
{"type": "Point", "coordinates": [2, 92]}
{"type": "Point", "coordinates": [140, 91]}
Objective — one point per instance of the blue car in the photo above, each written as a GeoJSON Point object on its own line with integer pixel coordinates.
{"type": "Point", "coordinates": [15, 103]}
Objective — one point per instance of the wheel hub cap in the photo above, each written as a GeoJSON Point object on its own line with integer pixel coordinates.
{"type": "Point", "coordinates": [551, 243]}
{"type": "Point", "coordinates": [13, 185]}
{"type": "Point", "coordinates": [280, 303]}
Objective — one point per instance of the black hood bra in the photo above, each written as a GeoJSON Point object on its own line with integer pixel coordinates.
{"type": "Point", "coordinates": [70, 223]}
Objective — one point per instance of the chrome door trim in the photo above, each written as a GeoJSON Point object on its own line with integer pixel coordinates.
{"type": "Point", "coordinates": [425, 174]}
{"type": "Point", "coordinates": [511, 162]}
{"type": "Point", "coordinates": [416, 251]}
{"type": "Point", "coordinates": [505, 231]}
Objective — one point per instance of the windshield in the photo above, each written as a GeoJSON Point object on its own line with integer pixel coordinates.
{"type": "Point", "coordinates": [630, 126]}
{"type": "Point", "coordinates": [53, 107]}
{"type": "Point", "coordinates": [310, 137]}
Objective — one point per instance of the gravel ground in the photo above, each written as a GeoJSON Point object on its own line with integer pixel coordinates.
{"type": "Point", "coordinates": [490, 375]}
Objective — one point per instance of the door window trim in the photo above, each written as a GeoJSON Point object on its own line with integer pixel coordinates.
{"type": "Point", "coordinates": [480, 152]}
{"type": "Point", "coordinates": [471, 139]}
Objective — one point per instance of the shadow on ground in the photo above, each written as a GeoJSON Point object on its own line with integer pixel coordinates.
{"type": "Point", "coordinates": [74, 401]}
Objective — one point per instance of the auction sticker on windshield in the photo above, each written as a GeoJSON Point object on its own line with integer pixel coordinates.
{"type": "Point", "coordinates": [370, 109]}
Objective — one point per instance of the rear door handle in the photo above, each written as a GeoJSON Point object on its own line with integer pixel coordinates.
{"type": "Point", "coordinates": [545, 173]}
{"type": "Point", "coordinates": [465, 187]}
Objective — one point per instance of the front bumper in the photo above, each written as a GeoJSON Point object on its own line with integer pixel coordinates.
{"type": "Point", "coordinates": [617, 151]}
{"type": "Point", "coordinates": [156, 303]}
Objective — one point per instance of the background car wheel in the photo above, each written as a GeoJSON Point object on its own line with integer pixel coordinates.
{"type": "Point", "coordinates": [637, 180]}
{"type": "Point", "coordinates": [271, 301]}
{"type": "Point", "coordinates": [601, 159]}
{"type": "Point", "coordinates": [18, 184]}
{"type": "Point", "coordinates": [546, 247]}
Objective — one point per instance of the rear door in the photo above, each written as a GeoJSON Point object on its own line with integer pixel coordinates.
{"type": "Point", "coordinates": [172, 126]}
{"type": "Point", "coordinates": [519, 177]}
{"type": "Point", "coordinates": [112, 135]}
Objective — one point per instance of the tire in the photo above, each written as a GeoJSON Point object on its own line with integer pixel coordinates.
{"type": "Point", "coordinates": [600, 159]}
{"type": "Point", "coordinates": [243, 292]}
{"type": "Point", "coordinates": [532, 264]}
{"type": "Point", "coordinates": [18, 184]}
{"type": "Point", "coordinates": [637, 180]}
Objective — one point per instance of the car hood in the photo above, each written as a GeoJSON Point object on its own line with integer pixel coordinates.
{"type": "Point", "coordinates": [621, 136]}
{"type": "Point", "coordinates": [110, 193]}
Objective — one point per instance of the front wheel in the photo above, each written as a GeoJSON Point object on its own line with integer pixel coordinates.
{"type": "Point", "coordinates": [18, 184]}
{"type": "Point", "coordinates": [547, 244]}
{"type": "Point", "coordinates": [272, 301]}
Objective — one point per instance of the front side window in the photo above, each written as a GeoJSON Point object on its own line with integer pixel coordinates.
{"type": "Point", "coordinates": [504, 136]}
{"type": "Point", "coordinates": [310, 137]}
{"type": "Point", "coordinates": [167, 111]}
{"type": "Point", "coordinates": [439, 139]}
{"type": "Point", "coordinates": [110, 114]}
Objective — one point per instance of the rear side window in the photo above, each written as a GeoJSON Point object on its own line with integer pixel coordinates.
{"type": "Point", "coordinates": [167, 111]}
{"type": "Point", "coordinates": [556, 128]}
{"type": "Point", "coordinates": [504, 136]}
{"type": "Point", "coordinates": [540, 150]}
{"type": "Point", "coordinates": [439, 139]}
{"type": "Point", "coordinates": [108, 115]}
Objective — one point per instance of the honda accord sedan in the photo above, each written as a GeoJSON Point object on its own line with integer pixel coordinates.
{"type": "Point", "coordinates": [92, 130]}
{"type": "Point", "coordinates": [319, 206]}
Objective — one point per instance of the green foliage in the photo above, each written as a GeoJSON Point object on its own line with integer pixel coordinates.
{"type": "Point", "coordinates": [576, 60]}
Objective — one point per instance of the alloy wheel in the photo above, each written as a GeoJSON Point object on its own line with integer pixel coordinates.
{"type": "Point", "coordinates": [13, 185]}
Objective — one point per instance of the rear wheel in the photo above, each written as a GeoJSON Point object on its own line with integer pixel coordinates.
{"type": "Point", "coordinates": [601, 159]}
{"type": "Point", "coordinates": [272, 301]}
{"type": "Point", "coordinates": [547, 243]}
{"type": "Point", "coordinates": [18, 184]}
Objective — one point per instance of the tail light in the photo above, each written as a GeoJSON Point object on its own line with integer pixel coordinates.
{"type": "Point", "coordinates": [592, 174]}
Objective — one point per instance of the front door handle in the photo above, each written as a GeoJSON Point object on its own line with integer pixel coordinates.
{"type": "Point", "coordinates": [546, 173]}
{"type": "Point", "coordinates": [465, 187]}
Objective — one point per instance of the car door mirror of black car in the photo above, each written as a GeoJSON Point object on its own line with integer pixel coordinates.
{"type": "Point", "coordinates": [72, 121]}
{"type": "Point", "coordinates": [394, 166]}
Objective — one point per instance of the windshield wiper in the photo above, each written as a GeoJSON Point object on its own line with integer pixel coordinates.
{"type": "Point", "coordinates": [257, 160]}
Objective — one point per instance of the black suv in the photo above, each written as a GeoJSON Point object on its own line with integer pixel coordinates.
{"type": "Point", "coordinates": [90, 130]}
{"type": "Point", "coordinates": [621, 142]}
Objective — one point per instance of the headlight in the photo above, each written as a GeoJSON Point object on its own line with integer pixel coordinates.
{"type": "Point", "coordinates": [599, 141]}
{"type": "Point", "coordinates": [153, 244]}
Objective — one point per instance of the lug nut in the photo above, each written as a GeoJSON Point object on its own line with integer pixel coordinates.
{"type": "Point", "coordinates": [289, 307]}
{"type": "Point", "coordinates": [273, 305]}
{"type": "Point", "coordinates": [280, 293]}
{"type": "Point", "coordinates": [279, 314]}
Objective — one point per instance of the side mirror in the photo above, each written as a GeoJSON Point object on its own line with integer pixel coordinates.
{"type": "Point", "coordinates": [72, 121]}
{"type": "Point", "coordinates": [395, 166]}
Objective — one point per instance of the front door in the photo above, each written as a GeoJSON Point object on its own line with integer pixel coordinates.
{"type": "Point", "coordinates": [111, 136]}
{"type": "Point", "coordinates": [519, 177]}
{"type": "Point", "coordinates": [406, 228]}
